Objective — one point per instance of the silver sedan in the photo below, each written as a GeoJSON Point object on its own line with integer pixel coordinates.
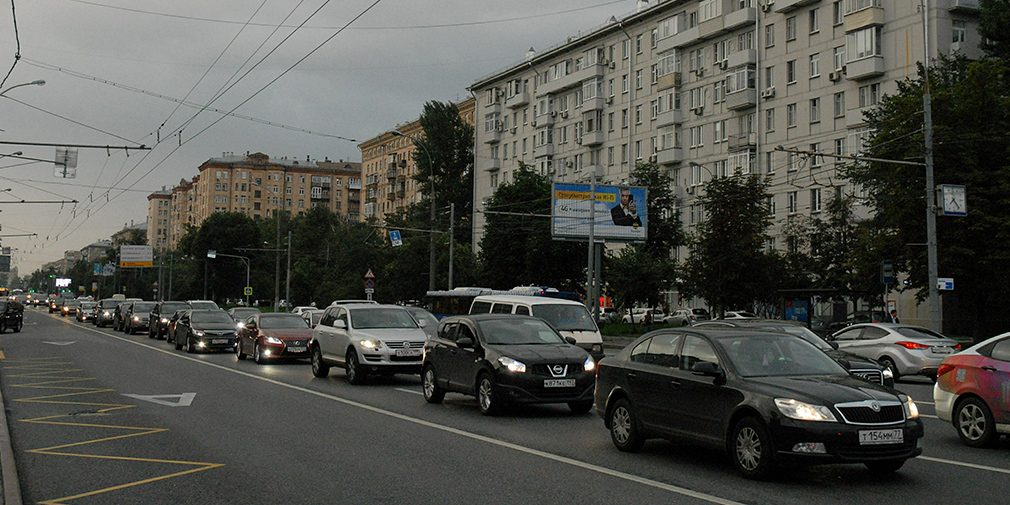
{"type": "Point", "coordinates": [904, 349]}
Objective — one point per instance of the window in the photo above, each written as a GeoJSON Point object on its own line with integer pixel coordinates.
{"type": "Point", "coordinates": [837, 13]}
{"type": "Point", "coordinates": [840, 146]}
{"type": "Point", "coordinates": [697, 136]}
{"type": "Point", "coordinates": [624, 83]}
{"type": "Point", "coordinates": [815, 200]}
{"type": "Point", "coordinates": [857, 5]}
{"type": "Point", "coordinates": [769, 120]}
{"type": "Point", "coordinates": [959, 31]}
{"type": "Point", "coordinates": [816, 160]}
{"type": "Point", "coordinates": [815, 110]}
{"type": "Point", "coordinates": [792, 202]}
{"type": "Point", "coordinates": [654, 107]}
{"type": "Point", "coordinates": [709, 9]}
{"type": "Point", "coordinates": [791, 72]}
{"type": "Point", "coordinates": [838, 58]}
{"type": "Point", "coordinates": [769, 77]}
{"type": "Point", "coordinates": [718, 128]}
{"type": "Point", "coordinates": [790, 28]}
{"type": "Point", "coordinates": [869, 95]}
{"type": "Point", "coordinates": [863, 43]}
{"type": "Point", "coordinates": [624, 118]}
{"type": "Point", "coordinates": [719, 91]}
{"type": "Point", "coordinates": [739, 80]}
{"type": "Point", "coordinates": [638, 44]}
{"type": "Point", "coordinates": [815, 21]}
{"type": "Point", "coordinates": [815, 65]}
{"type": "Point", "coordinates": [770, 35]}
{"type": "Point", "coordinates": [791, 115]}
{"type": "Point", "coordinates": [839, 104]}
{"type": "Point", "coordinates": [638, 79]}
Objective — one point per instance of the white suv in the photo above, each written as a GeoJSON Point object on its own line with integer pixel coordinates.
{"type": "Point", "coordinates": [367, 338]}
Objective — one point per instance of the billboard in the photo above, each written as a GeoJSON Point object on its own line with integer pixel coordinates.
{"type": "Point", "coordinates": [136, 256]}
{"type": "Point", "coordinates": [62, 282]}
{"type": "Point", "coordinates": [619, 213]}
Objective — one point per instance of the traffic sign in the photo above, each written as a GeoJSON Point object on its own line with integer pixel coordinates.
{"type": "Point", "coordinates": [369, 284]}
{"type": "Point", "coordinates": [394, 238]}
{"type": "Point", "coordinates": [369, 291]}
{"type": "Point", "coordinates": [369, 274]}
{"type": "Point", "coordinates": [945, 283]}
{"type": "Point", "coordinates": [248, 290]}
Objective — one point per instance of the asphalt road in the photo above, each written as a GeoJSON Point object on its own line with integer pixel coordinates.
{"type": "Point", "coordinates": [206, 428]}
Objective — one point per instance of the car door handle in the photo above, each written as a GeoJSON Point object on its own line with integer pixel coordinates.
{"type": "Point", "coordinates": [675, 383]}
{"type": "Point", "coordinates": [632, 376]}
{"type": "Point", "coordinates": [988, 368]}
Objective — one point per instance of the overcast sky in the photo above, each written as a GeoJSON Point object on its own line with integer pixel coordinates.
{"type": "Point", "coordinates": [117, 72]}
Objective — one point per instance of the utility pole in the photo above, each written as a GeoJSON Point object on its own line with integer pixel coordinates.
{"type": "Point", "coordinates": [452, 236]}
{"type": "Point", "coordinates": [927, 126]}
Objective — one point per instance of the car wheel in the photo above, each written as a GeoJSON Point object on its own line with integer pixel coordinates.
{"type": "Point", "coordinates": [885, 466]}
{"type": "Point", "coordinates": [888, 363]}
{"type": "Point", "coordinates": [131, 330]}
{"type": "Point", "coordinates": [975, 424]}
{"type": "Point", "coordinates": [152, 334]}
{"type": "Point", "coordinates": [238, 351]}
{"type": "Point", "coordinates": [190, 347]}
{"type": "Point", "coordinates": [433, 393]}
{"type": "Point", "coordinates": [3, 327]}
{"type": "Point", "coordinates": [751, 449]}
{"type": "Point", "coordinates": [319, 368]}
{"type": "Point", "coordinates": [487, 399]}
{"type": "Point", "coordinates": [580, 407]}
{"type": "Point", "coordinates": [178, 344]}
{"type": "Point", "coordinates": [624, 431]}
{"type": "Point", "coordinates": [18, 326]}
{"type": "Point", "coordinates": [258, 355]}
{"type": "Point", "coordinates": [355, 372]}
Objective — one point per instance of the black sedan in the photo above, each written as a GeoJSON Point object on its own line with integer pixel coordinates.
{"type": "Point", "coordinates": [205, 330]}
{"type": "Point", "coordinates": [504, 359]}
{"type": "Point", "coordinates": [767, 398]}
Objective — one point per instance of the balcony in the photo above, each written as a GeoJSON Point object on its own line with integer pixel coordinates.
{"type": "Point", "coordinates": [742, 141]}
{"type": "Point", "coordinates": [854, 117]}
{"type": "Point", "coordinates": [682, 39]}
{"type": "Point", "coordinates": [391, 174]}
{"type": "Point", "coordinates": [670, 156]}
{"type": "Point", "coordinates": [669, 80]}
{"type": "Point", "coordinates": [673, 116]}
{"type": "Point", "coordinates": [493, 107]}
{"type": "Point", "coordinates": [741, 58]}
{"type": "Point", "coordinates": [964, 6]}
{"type": "Point", "coordinates": [791, 5]}
{"type": "Point", "coordinates": [543, 150]}
{"type": "Point", "coordinates": [517, 100]}
{"type": "Point", "coordinates": [865, 68]}
{"type": "Point", "coordinates": [592, 138]}
{"type": "Point", "coordinates": [740, 17]}
{"type": "Point", "coordinates": [710, 28]}
{"type": "Point", "coordinates": [744, 99]}
{"type": "Point", "coordinates": [593, 104]}
{"type": "Point", "coordinates": [571, 80]}
{"type": "Point", "coordinates": [492, 137]}
{"type": "Point", "coordinates": [493, 165]}
{"type": "Point", "coordinates": [871, 16]}
{"type": "Point", "coordinates": [545, 119]}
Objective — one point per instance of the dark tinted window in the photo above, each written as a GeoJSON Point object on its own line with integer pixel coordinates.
{"type": "Point", "coordinates": [921, 333]}
{"type": "Point", "coordinates": [851, 334]}
{"type": "Point", "coordinates": [522, 310]}
{"type": "Point", "coordinates": [382, 318]}
{"type": "Point", "coordinates": [696, 350]}
{"type": "Point", "coordinates": [641, 351]}
{"type": "Point", "coordinates": [1001, 351]}
{"type": "Point", "coordinates": [480, 308]}
{"type": "Point", "coordinates": [143, 307]}
{"type": "Point", "coordinates": [872, 333]}
{"type": "Point", "coordinates": [663, 350]}
{"type": "Point", "coordinates": [212, 317]}
{"type": "Point", "coordinates": [501, 308]}
{"type": "Point", "coordinates": [516, 331]}
{"type": "Point", "coordinates": [282, 322]}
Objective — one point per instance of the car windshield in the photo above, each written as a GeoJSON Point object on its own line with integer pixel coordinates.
{"type": "Point", "coordinates": [420, 314]}
{"type": "Point", "coordinates": [170, 308]}
{"type": "Point", "coordinates": [88, 305]}
{"type": "Point", "coordinates": [143, 307]}
{"type": "Point", "coordinates": [565, 317]}
{"type": "Point", "coordinates": [71, 303]}
{"type": "Point", "coordinates": [282, 322]}
{"type": "Point", "coordinates": [920, 333]}
{"type": "Point", "coordinates": [243, 313]}
{"type": "Point", "coordinates": [211, 317]}
{"type": "Point", "coordinates": [770, 355]}
{"type": "Point", "coordinates": [804, 332]}
{"type": "Point", "coordinates": [381, 318]}
{"type": "Point", "coordinates": [516, 331]}
{"type": "Point", "coordinates": [203, 305]}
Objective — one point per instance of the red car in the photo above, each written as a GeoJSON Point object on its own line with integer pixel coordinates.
{"type": "Point", "coordinates": [274, 335]}
{"type": "Point", "coordinates": [972, 391]}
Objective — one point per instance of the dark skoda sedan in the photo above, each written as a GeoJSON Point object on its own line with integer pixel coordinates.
{"type": "Point", "coordinates": [504, 359]}
{"type": "Point", "coordinates": [767, 398]}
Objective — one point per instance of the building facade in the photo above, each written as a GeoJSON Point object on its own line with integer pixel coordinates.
{"type": "Point", "coordinates": [388, 168]}
{"type": "Point", "coordinates": [258, 186]}
{"type": "Point", "coordinates": [159, 205]}
{"type": "Point", "coordinates": [707, 88]}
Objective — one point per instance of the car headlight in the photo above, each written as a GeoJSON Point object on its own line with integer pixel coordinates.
{"type": "Point", "coordinates": [589, 365]}
{"type": "Point", "coordinates": [512, 365]}
{"type": "Point", "coordinates": [164, 320]}
{"type": "Point", "coordinates": [803, 411]}
{"type": "Point", "coordinates": [911, 410]}
{"type": "Point", "coordinates": [107, 313]}
{"type": "Point", "coordinates": [197, 333]}
{"type": "Point", "coordinates": [136, 319]}
{"type": "Point", "coordinates": [887, 373]}
{"type": "Point", "coordinates": [273, 340]}
{"type": "Point", "coordinates": [371, 344]}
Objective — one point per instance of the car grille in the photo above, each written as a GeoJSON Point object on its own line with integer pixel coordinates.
{"type": "Point", "coordinates": [294, 343]}
{"type": "Point", "coordinates": [874, 376]}
{"type": "Point", "coordinates": [218, 334]}
{"type": "Point", "coordinates": [403, 344]}
{"type": "Point", "coordinates": [864, 413]}
{"type": "Point", "coordinates": [570, 369]}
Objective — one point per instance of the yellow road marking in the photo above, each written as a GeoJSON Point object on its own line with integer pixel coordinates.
{"type": "Point", "coordinates": [49, 374]}
{"type": "Point", "coordinates": [2, 355]}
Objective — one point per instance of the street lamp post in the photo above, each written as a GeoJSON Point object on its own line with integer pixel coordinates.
{"type": "Point", "coordinates": [214, 254]}
{"type": "Point", "coordinates": [431, 234]}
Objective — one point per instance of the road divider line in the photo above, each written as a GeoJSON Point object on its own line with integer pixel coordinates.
{"type": "Point", "coordinates": [411, 391]}
{"type": "Point", "coordinates": [966, 465]}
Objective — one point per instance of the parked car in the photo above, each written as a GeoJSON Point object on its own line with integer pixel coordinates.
{"type": "Point", "coordinates": [902, 348]}
{"type": "Point", "coordinates": [739, 314]}
{"type": "Point", "coordinates": [105, 312]}
{"type": "Point", "coordinates": [69, 307]}
{"type": "Point", "coordinates": [273, 335]}
{"type": "Point", "coordinates": [972, 391]}
{"type": "Point", "coordinates": [636, 316]}
{"type": "Point", "coordinates": [608, 315]}
{"type": "Point", "coordinates": [312, 317]}
{"type": "Point", "coordinates": [86, 311]}
{"type": "Point", "coordinates": [138, 317]}
{"type": "Point", "coordinates": [205, 330]}
{"type": "Point", "coordinates": [12, 316]}
{"type": "Point", "coordinates": [504, 359]}
{"type": "Point", "coordinates": [240, 314]}
{"type": "Point", "coordinates": [767, 398]}
{"type": "Point", "coordinates": [162, 315]}
{"type": "Point", "coordinates": [859, 366]}
{"type": "Point", "coordinates": [431, 322]}
{"type": "Point", "coordinates": [367, 338]}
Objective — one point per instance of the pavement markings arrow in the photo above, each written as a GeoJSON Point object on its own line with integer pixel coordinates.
{"type": "Point", "coordinates": [183, 400]}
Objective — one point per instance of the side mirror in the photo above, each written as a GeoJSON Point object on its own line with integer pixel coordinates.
{"type": "Point", "coordinates": [340, 324]}
{"type": "Point", "coordinates": [833, 344]}
{"type": "Point", "coordinates": [423, 323]}
{"type": "Point", "coordinates": [845, 364]}
{"type": "Point", "coordinates": [251, 326]}
{"type": "Point", "coordinates": [571, 340]}
{"type": "Point", "coordinates": [707, 369]}
{"type": "Point", "coordinates": [465, 343]}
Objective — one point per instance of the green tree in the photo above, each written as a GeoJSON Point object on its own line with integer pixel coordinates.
{"type": "Point", "coordinates": [994, 26]}
{"type": "Point", "coordinates": [449, 141]}
{"type": "Point", "coordinates": [728, 265]}
{"type": "Point", "coordinates": [517, 248]}
{"type": "Point", "coordinates": [225, 232]}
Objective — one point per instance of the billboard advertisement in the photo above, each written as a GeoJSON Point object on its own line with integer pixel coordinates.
{"type": "Point", "coordinates": [136, 256]}
{"type": "Point", "coordinates": [618, 214]}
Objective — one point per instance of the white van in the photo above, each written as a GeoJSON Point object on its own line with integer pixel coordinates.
{"type": "Point", "coordinates": [569, 317]}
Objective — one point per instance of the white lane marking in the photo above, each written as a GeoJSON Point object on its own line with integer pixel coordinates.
{"type": "Point", "coordinates": [181, 400]}
{"type": "Point", "coordinates": [924, 403]}
{"type": "Point", "coordinates": [411, 391]}
{"type": "Point", "coordinates": [58, 343]}
{"type": "Point", "coordinates": [929, 416]}
{"type": "Point", "coordinates": [967, 465]}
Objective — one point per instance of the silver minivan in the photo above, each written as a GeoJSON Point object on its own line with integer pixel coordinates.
{"type": "Point", "coordinates": [570, 318]}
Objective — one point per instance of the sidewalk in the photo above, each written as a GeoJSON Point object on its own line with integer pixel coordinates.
{"type": "Point", "coordinates": [617, 343]}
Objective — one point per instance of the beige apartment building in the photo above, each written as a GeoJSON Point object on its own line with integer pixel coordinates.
{"type": "Point", "coordinates": [159, 206]}
{"type": "Point", "coordinates": [710, 87]}
{"type": "Point", "coordinates": [388, 168]}
{"type": "Point", "coordinates": [258, 186]}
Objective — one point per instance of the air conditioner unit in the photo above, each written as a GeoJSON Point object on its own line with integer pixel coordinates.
{"type": "Point", "coordinates": [844, 67]}
{"type": "Point", "coordinates": [698, 110]}
{"type": "Point", "coordinates": [834, 76]}
{"type": "Point", "coordinates": [568, 163]}
{"type": "Point", "coordinates": [769, 92]}
{"type": "Point", "coordinates": [514, 128]}
{"type": "Point", "coordinates": [609, 100]}
{"type": "Point", "coordinates": [689, 190]}
{"type": "Point", "coordinates": [653, 158]}
{"type": "Point", "coordinates": [613, 65]}
{"type": "Point", "coordinates": [700, 72]}
{"type": "Point", "coordinates": [533, 124]}
{"type": "Point", "coordinates": [578, 140]}
{"type": "Point", "coordinates": [564, 114]}
{"type": "Point", "coordinates": [766, 7]}
{"type": "Point", "coordinates": [724, 64]}
{"type": "Point", "coordinates": [554, 113]}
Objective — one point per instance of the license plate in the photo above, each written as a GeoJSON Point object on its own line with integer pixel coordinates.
{"type": "Point", "coordinates": [219, 341]}
{"type": "Point", "coordinates": [559, 383]}
{"type": "Point", "coordinates": [408, 352]}
{"type": "Point", "coordinates": [877, 437]}
{"type": "Point", "coordinates": [297, 349]}
{"type": "Point", "coordinates": [942, 350]}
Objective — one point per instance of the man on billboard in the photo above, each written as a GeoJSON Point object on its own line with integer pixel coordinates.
{"type": "Point", "coordinates": [626, 212]}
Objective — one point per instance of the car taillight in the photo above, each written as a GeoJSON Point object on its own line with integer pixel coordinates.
{"type": "Point", "coordinates": [944, 368]}
{"type": "Point", "coordinates": [957, 347]}
{"type": "Point", "coordinates": [912, 345]}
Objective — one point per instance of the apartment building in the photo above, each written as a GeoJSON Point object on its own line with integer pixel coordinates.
{"type": "Point", "coordinates": [159, 206]}
{"type": "Point", "coordinates": [388, 167]}
{"type": "Point", "coordinates": [258, 186]}
{"type": "Point", "coordinates": [706, 88]}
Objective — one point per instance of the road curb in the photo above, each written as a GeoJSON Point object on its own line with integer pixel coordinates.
{"type": "Point", "coordinates": [8, 466]}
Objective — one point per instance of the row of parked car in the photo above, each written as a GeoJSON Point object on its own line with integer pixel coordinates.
{"type": "Point", "coordinates": [767, 392]}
